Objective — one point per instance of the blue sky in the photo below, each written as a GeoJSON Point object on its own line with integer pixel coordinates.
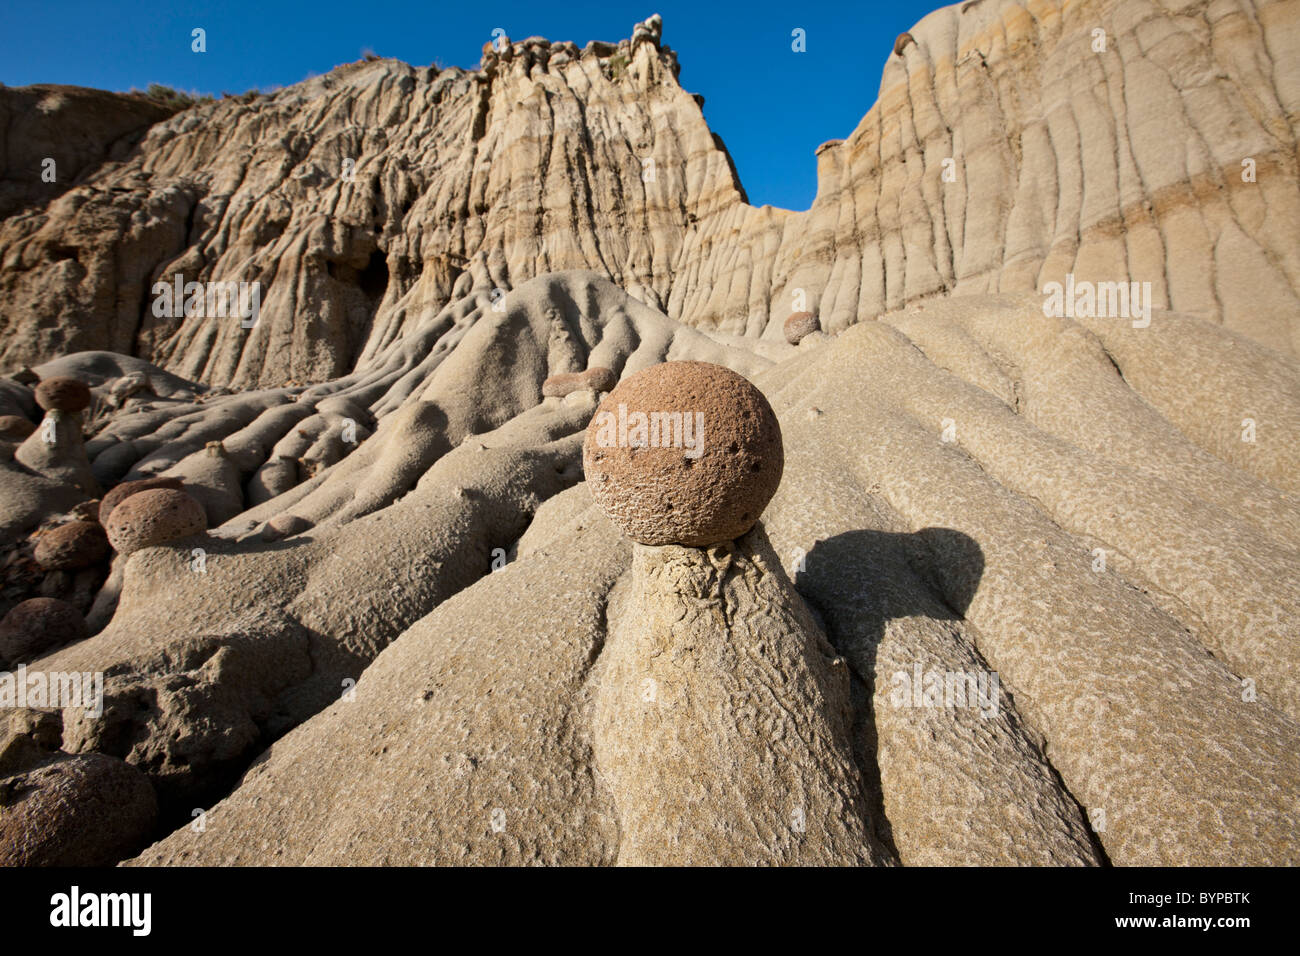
{"type": "Point", "coordinates": [771, 106]}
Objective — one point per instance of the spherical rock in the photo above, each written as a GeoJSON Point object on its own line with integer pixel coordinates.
{"type": "Point", "coordinates": [901, 43]}
{"type": "Point", "coordinates": [77, 544]}
{"type": "Point", "coordinates": [285, 526]}
{"type": "Point", "coordinates": [15, 428]}
{"type": "Point", "coordinates": [800, 324]}
{"type": "Point", "coordinates": [75, 810]}
{"type": "Point", "coordinates": [63, 394]}
{"type": "Point", "coordinates": [154, 517]}
{"type": "Point", "coordinates": [598, 379]}
{"type": "Point", "coordinates": [38, 625]}
{"type": "Point", "coordinates": [126, 489]}
{"type": "Point", "coordinates": [684, 453]}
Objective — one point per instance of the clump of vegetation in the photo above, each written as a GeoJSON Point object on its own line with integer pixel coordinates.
{"type": "Point", "coordinates": [617, 65]}
{"type": "Point", "coordinates": [170, 98]}
{"type": "Point", "coordinates": [241, 97]}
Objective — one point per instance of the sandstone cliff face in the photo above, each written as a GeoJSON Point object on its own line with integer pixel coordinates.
{"type": "Point", "coordinates": [1118, 165]}
{"type": "Point", "coordinates": [364, 200]}
{"type": "Point", "coordinates": [367, 199]}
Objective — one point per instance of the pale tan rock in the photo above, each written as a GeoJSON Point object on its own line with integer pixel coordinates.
{"type": "Point", "coordinates": [722, 716]}
{"type": "Point", "coordinates": [1102, 515]}
{"type": "Point", "coordinates": [597, 379]}
{"type": "Point", "coordinates": [284, 526]}
{"type": "Point", "coordinates": [57, 451]}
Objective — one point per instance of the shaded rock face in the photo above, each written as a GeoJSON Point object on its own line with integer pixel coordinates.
{"type": "Point", "coordinates": [37, 626]}
{"type": "Point", "coordinates": [74, 810]}
{"type": "Point", "coordinates": [322, 192]}
{"type": "Point", "coordinates": [77, 544]}
{"type": "Point", "coordinates": [76, 127]}
{"type": "Point", "coordinates": [15, 427]}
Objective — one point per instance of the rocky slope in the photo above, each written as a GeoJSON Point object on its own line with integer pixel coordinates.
{"type": "Point", "coordinates": [408, 635]}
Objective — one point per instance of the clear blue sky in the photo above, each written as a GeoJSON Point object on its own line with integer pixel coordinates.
{"type": "Point", "coordinates": [771, 106]}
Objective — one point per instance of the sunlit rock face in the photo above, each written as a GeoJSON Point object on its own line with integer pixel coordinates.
{"type": "Point", "coordinates": [1008, 149]}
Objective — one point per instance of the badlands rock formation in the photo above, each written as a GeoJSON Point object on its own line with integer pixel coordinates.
{"type": "Point", "coordinates": [1004, 153]}
{"type": "Point", "coordinates": [397, 626]}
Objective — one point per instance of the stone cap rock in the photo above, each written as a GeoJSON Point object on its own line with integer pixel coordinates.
{"type": "Point", "coordinates": [71, 546]}
{"type": "Point", "coordinates": [126, 489]}
{"type": "Point", "coordinates": [684, 453]}
{"type": "Point", "coordinates": [38, 625]}
{"type": "Point", "coordinates": [63, 393]}
{"type": "Point", "coordinates": [800, 324]}
{"type": "Point", "coordinates": [154, 517]}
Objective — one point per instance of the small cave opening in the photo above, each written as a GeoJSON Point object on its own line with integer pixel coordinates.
{"type": "Point", "coordinates": [374, 277]}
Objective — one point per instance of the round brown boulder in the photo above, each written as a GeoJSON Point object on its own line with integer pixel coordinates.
{"type": "Point", "coordinates": [285, 526]}
{"type": "Point", "coordinates": [126, 489]}
{"type": "Point", "coordinates": [154, 517]}
{"type": "Point", "coordinates": [901, 43]}
{"type": "Point", "coordinates": [38, 625]}
{"type": "Point", "coordinates": [63, 394]}
{"type": "Point", "coordinates": [800, 324]}
{"type": "Point", "coordinates": [599, 379]}
{"type": "Point", "coordinates": [77, 544]}
{"type": "Point", "coordinates": [15, 428]}
{"type": "Point", "coordinates": [684, 453]}
{"type": "Point", "coordinates": [75, 810]}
